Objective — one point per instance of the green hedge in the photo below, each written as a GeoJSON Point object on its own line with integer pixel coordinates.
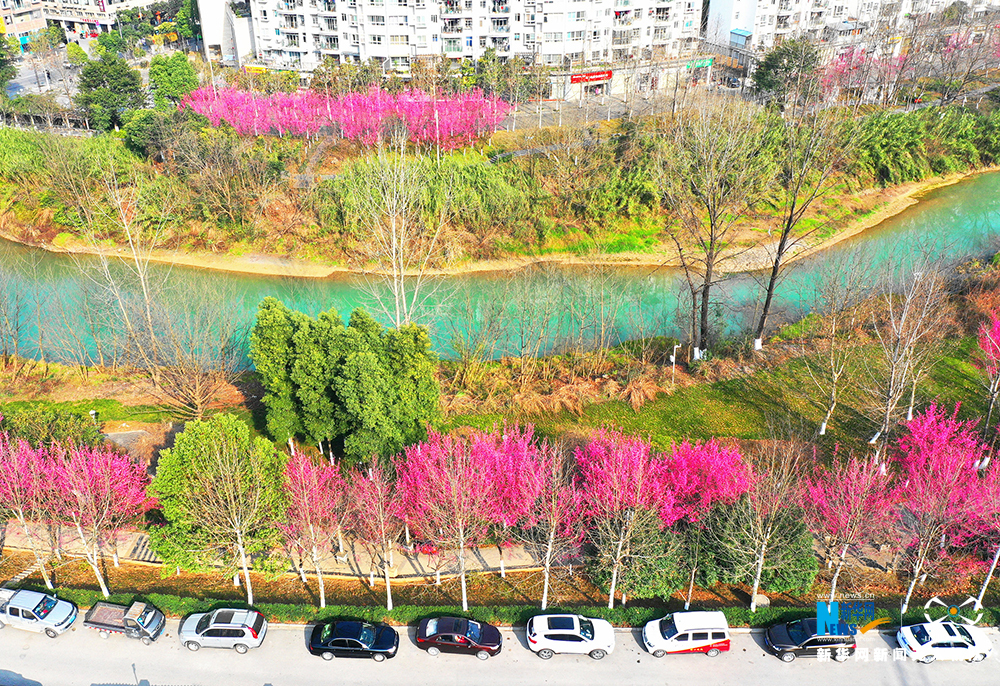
{"type": "Point", "coordinates": [515, 615]}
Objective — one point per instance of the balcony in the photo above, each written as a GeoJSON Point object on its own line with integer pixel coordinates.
{"type": "Point", "coordinates": [451, 28]}
{"type": "Point", "coordinates": [454, 7]}
{"type": "Point", "coordinates": [500, 44]}
{"type": "Point", "coordinates": [328, 44]}
{"type": "Point", "coordinates": [501, 27]}
{"type": "Point", "coordinates": [500, 7]}
{"type": "Point", "coordinates": [328, 6]}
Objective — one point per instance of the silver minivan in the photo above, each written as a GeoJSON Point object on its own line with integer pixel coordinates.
{"type": "Point", "coordinates": [240, 630]}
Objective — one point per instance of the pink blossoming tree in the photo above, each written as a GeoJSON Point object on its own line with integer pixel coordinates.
{"type": "Point", "coordinates": [101, 492]}
{"type": "Point", "coordinates": [315, 496]}
{"type": "Point", "coordinates": [374, 518]}
{"type": "Point", "coordinates": [443, 485]}
{"type": "Point", "coordinates": [845, 506]}
{"type": "Point", "coordinates": [939, 488]}
{"type": "Point", "coordinates": [24, 487]}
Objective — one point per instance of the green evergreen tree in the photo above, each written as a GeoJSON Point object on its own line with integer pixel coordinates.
{"type": "Point", "coordinates": [272, 353]}
{"type": "Point", "coordinates": [357, 390]}
{"type": "Point", "coordinates": [108, 89]}
{"type": "Point", "coordinates": [171, 78]}
{"type": "Point", "coordinates": [76, 55]}
{"type": "Point", "coordinates": [220, 490]}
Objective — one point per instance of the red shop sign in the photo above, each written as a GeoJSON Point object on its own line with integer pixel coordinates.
{"type": "Point", "coordinates": [592, 76]}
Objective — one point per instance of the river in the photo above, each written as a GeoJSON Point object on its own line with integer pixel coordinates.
{"type": "Point", "coordinates": [534, 310]}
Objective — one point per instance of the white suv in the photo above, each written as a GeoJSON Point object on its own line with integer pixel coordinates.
{"type": "Point", "coordinates": [240, 630]}
{"type": "Point", "coordinates": [551, 634]}
{"type": "Point", "coordinates": [944, 641]}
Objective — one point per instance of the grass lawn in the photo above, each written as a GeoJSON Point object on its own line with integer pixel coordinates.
{"type": "Point", "coordinates": [761, 404]}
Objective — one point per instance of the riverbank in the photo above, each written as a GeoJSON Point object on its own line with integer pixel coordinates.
{"type": "Point", "coordinates": [882, 204]}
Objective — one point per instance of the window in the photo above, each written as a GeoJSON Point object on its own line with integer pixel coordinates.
{"type": "Point", "coordinates": [468, 41]}
{"type": "Point", "coordinates": [375, 40]}
{"type": "Point", "coordinates": [452, 44]}
{"type": "Point", "coordinates": [700, 636]}
{"type": "Point", "coordinates": [399, 40]}
{"type": "Point", "coordinates": [576, 16]}
{"type": "Point", "coordinates": [263, 14]}
{"type": "Point", "coordinates": [681, 637]}
{"type": "Point", "coordinates": [399, 20]}
{"type": "Point", "coordinates": [555, 37]}
{"type": "Point", "coordinates": [376, 20]}
{"type": "Point", "coordinates": [718, 635]}
{"type": "Point", "coordinates": [574, 35]}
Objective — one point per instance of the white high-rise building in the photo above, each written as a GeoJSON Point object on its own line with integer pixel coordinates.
{"type": "Point", "coordinates": [759, 25]}
{"type": "Point", "coordinates": [20, 18]}
{"type": "Point", "coordinates": [300, 34]}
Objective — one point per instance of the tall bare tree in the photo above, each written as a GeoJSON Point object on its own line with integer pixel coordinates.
{"type": "Point", "coordinates": [814, 145]}
{"type": "Point", "coordinates": [715, 165]}
{"type": "Point", "coordinates": [402, 225]}
{"type": "Point", "coordinates": [843, 283]}
{"type": "Point", "coordinates": [912, 310]}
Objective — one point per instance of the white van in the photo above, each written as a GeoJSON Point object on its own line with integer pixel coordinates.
{"type": "Point", "coordinates": [687, 632]}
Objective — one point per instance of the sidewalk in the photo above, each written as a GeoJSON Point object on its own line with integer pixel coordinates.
{"type": "Point", "coordinates": [134, 546]}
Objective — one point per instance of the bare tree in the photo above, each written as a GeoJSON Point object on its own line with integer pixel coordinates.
{"type": "Point", "coordinates": [815, 144]}
{"type": "Point", "coordinates": [757, 534]}
{"type": "Point", "coordinates": [843, 282]}
{"type": "Point", "coordinates": [912, 309]}
{"type": "Point", "coordinates": [715, 165]}
{"type": "Point", "coordinates": [403, 228]}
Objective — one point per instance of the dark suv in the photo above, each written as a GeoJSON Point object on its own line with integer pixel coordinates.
{"type": "Point", "coordinates": [799, 639]}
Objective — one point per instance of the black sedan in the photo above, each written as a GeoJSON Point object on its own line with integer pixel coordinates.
{"type": "Point", "coordinates": [801, 639]}
{"type": "Point", "coordinates": [454, 635]}
{"type": "Point", "coordinates": [354, 639]}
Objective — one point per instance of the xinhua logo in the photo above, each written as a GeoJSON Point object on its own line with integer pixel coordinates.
{"type": "Point", "coordinates": [857, 615]}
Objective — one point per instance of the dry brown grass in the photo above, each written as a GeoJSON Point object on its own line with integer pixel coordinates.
{"type": "Point", "coordinates": [640, 391]}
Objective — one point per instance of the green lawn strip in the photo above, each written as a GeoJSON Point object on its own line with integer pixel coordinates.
{"type": "Point", "coordinates": [507, 615]}
{"type": "Point", "coordinates": [107, 410]}
{"type": "Point", "coordinates": [777, 401]}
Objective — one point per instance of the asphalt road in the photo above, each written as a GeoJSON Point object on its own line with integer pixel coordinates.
{"type": "Point", "coordinates": [82, 658]}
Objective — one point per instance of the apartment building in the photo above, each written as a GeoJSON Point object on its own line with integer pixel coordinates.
{"type": "Point", "coordinates": [19, 18]}
{"type": "Point", "coordinates": [758, 25]}
{"type": "Point", "coordinates": [300, 34]}
{"type": "Point", "coordinates": [88, 16]}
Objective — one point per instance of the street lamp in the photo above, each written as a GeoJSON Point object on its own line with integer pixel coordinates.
{"type": "Point", "coordinates": [673, 364]}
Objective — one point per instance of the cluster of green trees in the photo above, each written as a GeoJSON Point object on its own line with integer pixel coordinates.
{"type": "Point", "coordinates": [355, 391]}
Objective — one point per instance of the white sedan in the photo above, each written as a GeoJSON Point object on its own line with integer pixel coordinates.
{"type": "Point", "coordinates": [551, 634]}
{"type": "Point", "coordinates": [944, 641]}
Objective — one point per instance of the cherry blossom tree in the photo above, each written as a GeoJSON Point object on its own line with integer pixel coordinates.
{"type": "Point", "coordinates": [444, 486]}
{"type": "Point", "coordinates": [621, 483]}
{"type": "Point", "coordinates": [315, 499]}
{"type": "Point", "coordinates": [446, 122]}
{"type": "Point", "coordinates": [698, 477]}
{"type": "Point", "coordinates": [374, 518]}
{"type": "Point", "coordinates": [24, 486]}
{"type": "Point", "coordinates": [101, 491]}
{"type": "Point", "coordinates": [938, 459]}
{"type": "Point", "coordinates": [988, 518]}
{"type": "Point", "coordinates": [845, 506]}
{"type": "Point", "coordinates": [515, 480]}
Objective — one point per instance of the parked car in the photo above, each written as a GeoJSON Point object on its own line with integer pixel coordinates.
{"type": "Point", "coordinates": [354, 639]}
{"type": "Point", "coordinates": [687, 632]}
{"type": "Point", "coordinates": [138, 620]}
{"type": "Point", "coordinates": [944, 641]}
{"type": "Point", "coordinates": [573, 634]}
{"type": "Point", "coordinates": [240, 630]}
{"type": "Point", "coordinates": [454, 635]}
{"type": "Point", "coordinates": [34, 611]}
{"type": "Point", "coordinates": [799, 639]}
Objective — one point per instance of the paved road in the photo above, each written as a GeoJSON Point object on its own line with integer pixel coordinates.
{"type": "Point", "coordinates": [82, 658]}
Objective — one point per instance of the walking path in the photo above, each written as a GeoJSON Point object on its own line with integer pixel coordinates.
{"type": "Point", "coordinates": [356, 561]}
